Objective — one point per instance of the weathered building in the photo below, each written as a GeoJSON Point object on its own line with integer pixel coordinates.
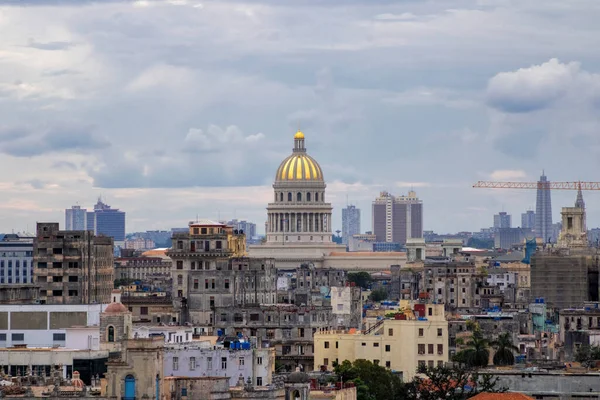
{"type": "Point", "coordinates": [19, 294]}
{"type": "Point", "coordinates": [140, 268]}
{"type": "Point", "coordinates": [72, 267]}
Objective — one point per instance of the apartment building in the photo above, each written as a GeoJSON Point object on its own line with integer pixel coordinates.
{"type": "Point", "coordinates": [419, 337]}
{"type": "Point", "coordinates": [72, 267]}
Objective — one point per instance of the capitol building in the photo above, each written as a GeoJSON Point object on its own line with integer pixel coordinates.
{"type": "Point", "coordinates": [299, 226]}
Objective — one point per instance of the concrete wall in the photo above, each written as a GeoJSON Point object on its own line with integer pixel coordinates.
{"type": "Point", "coordinates": [544, 384]}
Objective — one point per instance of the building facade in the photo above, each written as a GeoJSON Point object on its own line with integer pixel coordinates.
{"type": "Point", "coordinates": [400, 344]}
{"type": "Point", "coordinates": [457, 285]}
{"type": "Point", "coordinates": [528, 220]}
{"type": "Point", "coordinates": [502, 220]}
{"type": "Point", "coordinates": [350, 223]}
{"type": "Point", "coordinates": [107, 221]}
{"type": "Point", "coordinates": [16, 259]}
{"type": "Point", "coordinates": [72, 267]}
{"type": "Point", "coordinates": [543, 210]}
{"type": "Point", "coordinates": [397, 218]}
{"type": "Point", "coordinates": [246, 227]}
{"type": "Point", "coordinates": [75, 219]}
{"type": "Point", "coordinates": [142, 267]}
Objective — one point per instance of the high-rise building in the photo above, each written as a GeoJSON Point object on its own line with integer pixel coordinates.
{"type": "Point", "coordinates": [528, 220]}
{"type": "Point", "coordinates": [76, 219]}
{"type": "Point", "coordinates": [350, 223]}
{"type": "Point", "coordinates": [397, 218]}
{"type": "Point", "coordinates": [248, 228]}
{"type": "Point", "coordinates": [502, 220]}
{"type": "Point", "coordinates": [107, 221]}
{"type": "Point", "coordinates": [16, 259]}
{"type": "Point", "coordinates": [543, 210]}
{"type": "Point", "coordinates": [72, 267]}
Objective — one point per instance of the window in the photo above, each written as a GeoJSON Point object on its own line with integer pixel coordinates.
{"type": "Point", "coordinates": [440, 349]}
{"type": "Point", "coordinates": [316, 196]}
{"type": "Point", "coordinates": [440, 363]}
{"type": "Point", "coordinates": [421, 363]}
{"type": "Point", "coordinates": [388, 364]}
{"type": "Point", "coordinates": [430, 311]}
{"type": "Point", "coordinates": [144, 310]}
{"type": "Point", "coordinates": [430, 348]}
{"type": "Point", "coordinates": [180, 245]}
{"type": "Point", "coordinates": [175, 363]}
{"type": "Point", "coordinates": [212, 284]}
{"type": "Point", "coordinates": [209, 363]}
{"type": "Point", "coordinates": [196, 231]}
{"type": "Point", "coordinates": [111, 334]}
{"type": "Point", "coordinates": [241, 362]}
{"type": "Point", "coordinates": [439, 331]}
{"type": "Point", "coordinates": [376, 362]}
{"type": "Point", "coordinates": [223, 362]}
{"type": "Point", "coordinates": [299, 196]}
{"type": "Point", "coordinates": [363, 344]}
{"type": "Point", "coordinates": [193, 265]}
{"type": "Point", "coordinates": [180, 279]}
{"type": "Point", "coordinates": [289, 197]}
{"type": "Point", "coordinates": [430, 363]}
{"type": "Point", "coordinates": [59, 336]}
{"type": "Point", "coordinates": [212, 301]}
{"type": "Point", "coordinates": [326, 345]}
{"type": "Point", "coordinates": [179, 264]}
{"type": "Point", "coordinates": [206, 284]}
{"type": "Point", "coordinates": [226, 284]}
{"type": "Point", "coordinates": [253, 317]}
{"type": "Point", "coordinates": [223, 317]}
{"type": "Point", "coordinates": [2, 337]}
{"type": "Point", "coordinates": [195, 283]}
{"type": "Point", "coordinates": [307, 196]}
{"type": "Point", "coordinates": [58, 293]}
{"type": "Point", "coordinates": [73, 278]}
{"type": "Point", "coordinates": [259, 381]}
{"type": "Point", "coordinates": [390, 332]}
{"type": "Point", "coordinates": [326, 361]}
{"type": "Point", "coordinates": [388, 348]}
{"type": "Point", "coordinates": [421, 349]}
{"type": "Point", "coordinates": [18, 337]}
{"type": "Point", "coordinates": [258, 360]}
{"type": "Point", "coordinates": [420, 332]}
{"type": "Point", "coordinates": [375, 344]}
{"type": "Point", "coordinates": [192, 363]}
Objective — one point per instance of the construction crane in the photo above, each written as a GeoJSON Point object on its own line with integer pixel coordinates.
{"type": "Point", "coordinates": [538, 185]}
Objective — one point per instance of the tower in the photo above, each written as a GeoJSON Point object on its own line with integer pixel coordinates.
{"type": "Point", "coordinates": [543, 210]}
{"type": "Point", "coordinates": [574, 232]}
{"type": "Point", "coordinates": [299, 213]}
{"type": "Point", "coordinates": [397, 218]}
{"type": "Point", "coordinates": [350, 222]}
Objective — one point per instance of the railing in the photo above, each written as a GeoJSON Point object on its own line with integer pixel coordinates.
{"type": "Point", "coordinates": [374, 327]}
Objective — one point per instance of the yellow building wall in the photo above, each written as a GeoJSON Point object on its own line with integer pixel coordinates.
{"type": "Point", "coordinates": [397, 347]}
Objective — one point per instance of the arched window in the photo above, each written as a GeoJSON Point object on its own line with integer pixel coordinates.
{"type": "Point", "coordinates": [307, 196]}
{"type": "Point", "coordinates": [180, 279]}
{"type": "Point", "coordinates": [280, 196]}
{"type": "Point", "coordinates": [299, 197]}
{"type": "Point", "coordinates": [111, 334]}
{"type": "Point", "coordinates": [317, 196]}
{"type": "Point", "coordinates": [129, 388]}
{"type": "Point", "coordinates": [289, 196]}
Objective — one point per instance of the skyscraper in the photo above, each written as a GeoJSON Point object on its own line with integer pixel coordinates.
{"type": "Point", "coordinates": [75, 219]}
{"type": "Point", "coordinates": [350, 222]}
{"type": "Point", "coordinates": [502, 220]}
{"type": "Point", "coordinates": [397, 219]}
{"type": "Point", "coordinates": [528, 220]}
{"type": "Point", "coordinates": [107, 221]}
{"type": "Point", "coordinates": [543, 210]}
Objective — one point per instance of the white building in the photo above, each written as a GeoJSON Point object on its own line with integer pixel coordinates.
{"type": "Point", "coordinates": [172, 334]}
{"type": "Point", "coordinates": [16, 259]}
{"type": "Point", "coordinates": [41, 325]}
{"type": "Point", "coordinates": [502, 278]}
{"type": "Point", "coordinates": [76, 219]}
{"type": "Point", "coordinates": [139, 244]}
{"type": "Point", "coordinates": [202, 359]}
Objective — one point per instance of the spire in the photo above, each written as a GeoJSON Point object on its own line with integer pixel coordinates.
{"type": "Point", "coordinates": [299, 142]}
{"type": "Point", "coordinates": [579, 202]}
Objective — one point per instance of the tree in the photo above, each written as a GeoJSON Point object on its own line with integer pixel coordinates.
{"type": "Point", "coordinates": [477, 353]}
{"type": "Point", "coordinates": [504, 350]}
{"type": "Point", "coordinates": [379, 294]}
{"type": "Point", "coordinates": [362, 279]}
{"type": "Point", "coordinates": [481, 243]}
{"type": "Point", "coordinates": [373, 382]}
{"type": "Point", "coordinates": [449, 383]}
{"type": "Point", "coordinates": [585, 354]}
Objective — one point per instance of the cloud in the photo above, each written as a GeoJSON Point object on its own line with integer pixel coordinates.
{"type": "Point", "coordinates": [539, 86]}
{"type": "Point", "coordinates": [24, 142]}
{"type": "Point", "coordinates": [508, 175]}
{"type": "Point", "coordinates": [64, 165]}
{"type": "Point", "coordinates": [396, 17]}
{"type": "Point", "coordinates": [412, 184]}
{"type": "Point", "coordinates": [50, 45]}
{"type": "Point", "coordinates": [217, 139]}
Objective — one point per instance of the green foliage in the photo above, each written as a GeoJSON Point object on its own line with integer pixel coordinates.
{"type": "Point", "coordinates": [504, 350]}
{"type": "Point", "coordinates": [456, 383]}
{"type": "Point", "coordinates": [585, 354]}
{"type": "Point", "coordinates": [481, 243]}
{"type": "Point", "coordinates": [378, 295]}
{"type": "Point", "coordinates": [123, 282]}
{"type": "Point", "coordinates": [476, 354]}
{"type": "Point", "coordinates": [362, 279]}
{"type": "Point", "coordinates": [373, 382]}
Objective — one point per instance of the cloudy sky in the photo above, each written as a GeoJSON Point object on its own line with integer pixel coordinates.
{"type": "Point", "coordinates": [172, 109]}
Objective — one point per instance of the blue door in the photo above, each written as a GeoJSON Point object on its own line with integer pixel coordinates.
{"type": "Point", "coordinates": [129, 388]}
{"type": "Point", "coordinates": [157, 387]}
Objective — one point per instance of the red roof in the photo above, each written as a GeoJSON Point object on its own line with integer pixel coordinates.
{"type": "Point", "coordinates": [116, 308]}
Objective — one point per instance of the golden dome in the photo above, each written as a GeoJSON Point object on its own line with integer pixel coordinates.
{"type": "Point", "coordinates": [299, 167]}
{"type": "Point", "coordinates": [299, 135]}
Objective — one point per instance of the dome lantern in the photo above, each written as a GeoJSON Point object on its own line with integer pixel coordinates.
{"type": "Point", "coordinates": [299, 166]}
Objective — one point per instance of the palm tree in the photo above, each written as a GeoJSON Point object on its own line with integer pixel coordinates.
{"type": "Point", "coordinates": [504, 350]}
{"type": "Point", "coordinates": [477, 353]}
